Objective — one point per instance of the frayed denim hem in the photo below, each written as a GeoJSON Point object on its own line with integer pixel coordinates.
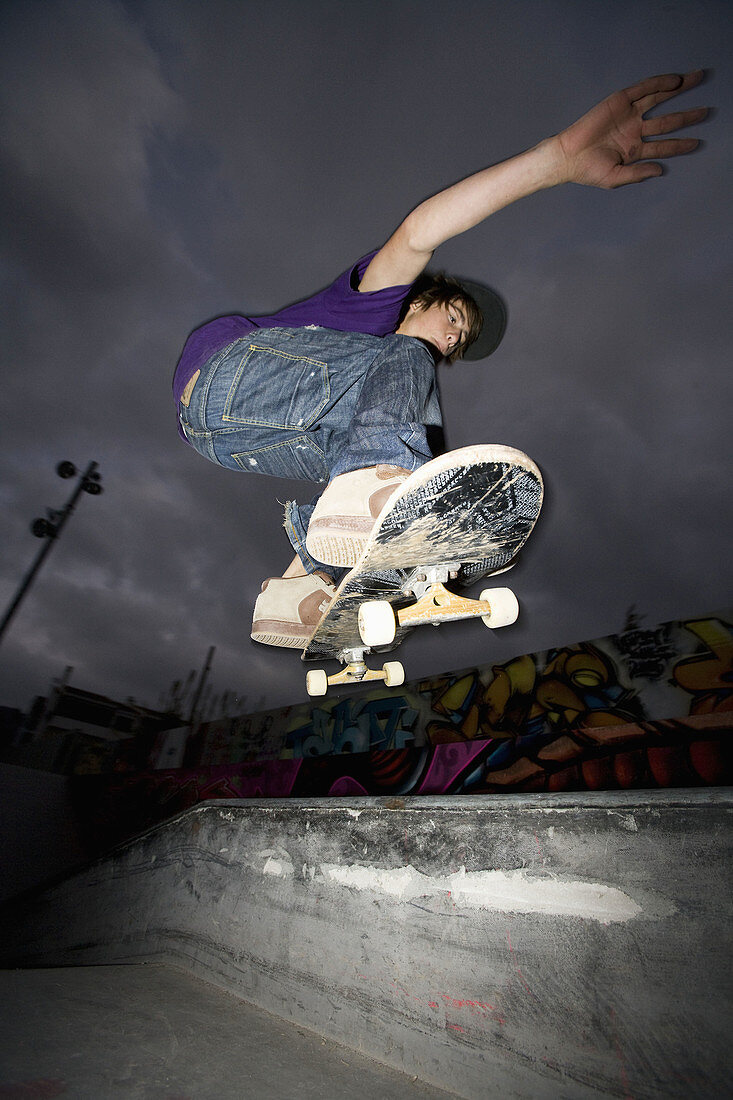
{"type": "Point", "coordinates": [296, 530]}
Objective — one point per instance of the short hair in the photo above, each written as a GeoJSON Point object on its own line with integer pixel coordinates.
{"type": "Point", "coordinates": [440, 289]}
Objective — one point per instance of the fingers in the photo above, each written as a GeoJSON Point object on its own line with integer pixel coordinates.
{"type": "Point", "coordinates": [632, 173]}
{"type": "Point", "coordinates": [652, 127]}
{"type": "Point", "coordinates": [644, 167]}
{"type": "Point", "coordinates": [673, 147]}
{"type": "Point", "coordinates": [657, 89]}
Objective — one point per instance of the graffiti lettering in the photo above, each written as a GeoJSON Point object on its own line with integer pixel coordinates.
{"type": "Point", "coordinates": [647, 651]}
{"type": "Point", "coordinates": [355, 725]}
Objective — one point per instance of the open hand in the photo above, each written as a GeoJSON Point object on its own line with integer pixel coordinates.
{"type": "Point", "coordinates": [609, 146]}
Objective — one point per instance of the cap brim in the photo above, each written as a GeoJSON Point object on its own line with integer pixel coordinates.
{"type": "Point", "coordinates": [494, 315]}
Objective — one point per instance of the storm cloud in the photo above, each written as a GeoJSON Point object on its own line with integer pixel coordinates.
{"type": "Point", "coordinates": [166, 162]}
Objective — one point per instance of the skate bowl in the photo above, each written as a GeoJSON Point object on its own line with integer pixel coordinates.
{"type": "Point", "coordinates": [528, 946]}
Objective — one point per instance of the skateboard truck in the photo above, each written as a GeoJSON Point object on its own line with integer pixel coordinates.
{"type": "Point", "coordinates": [420, 580]}
{"type": "Point", "coordinates": [317, 682]}
{"type": "Point", "coordinates": [455, 517]}
{"type": "Point", "coordinates": [378, 621]}
{"type": "Point", "coordinates": [435, 604]}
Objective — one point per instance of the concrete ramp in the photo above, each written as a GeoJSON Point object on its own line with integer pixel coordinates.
{"type": "Point", "coordinates": [155, 1033]}
{"type": "Point", "coordinates": [527, 946]}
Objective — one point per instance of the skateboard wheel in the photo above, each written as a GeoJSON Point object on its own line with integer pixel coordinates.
{"type": "Point", "coordinates": [394, 674]}
{"type": "Point", "coordinates": [504, 607]}
{"type": "Point", "coordinates": [377, 625]}
{"type": "Point", "coordinates": [316, 682]}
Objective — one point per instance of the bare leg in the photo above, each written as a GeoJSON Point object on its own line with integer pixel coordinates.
{"type": "Point", "coordinates": [295, 569]}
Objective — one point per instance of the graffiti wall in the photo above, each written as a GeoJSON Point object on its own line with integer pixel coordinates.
{"type": "Point", "coordinates": [672, 671]}
{"type": "Point", "coordinates": [643, 709]}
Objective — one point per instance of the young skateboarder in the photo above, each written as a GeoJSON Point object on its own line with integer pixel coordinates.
{"type": "Point", "coordinates": [340, 388]}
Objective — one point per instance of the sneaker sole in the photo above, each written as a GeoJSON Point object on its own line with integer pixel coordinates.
{"type": "Point", "coordinates": [266, 632]}
{"type": "Point", "coordinates": [339, 546]}
{"type": "Point", "coordinates": [332, 546]}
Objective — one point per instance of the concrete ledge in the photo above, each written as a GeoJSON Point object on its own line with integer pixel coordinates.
{"type": "Point", "coordinates": [524, 946]}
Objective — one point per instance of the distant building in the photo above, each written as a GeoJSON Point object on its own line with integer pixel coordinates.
{"type": "Point", "coordinates": [11, 719]}
{"type": "Point", "coordinates": [72, 731]}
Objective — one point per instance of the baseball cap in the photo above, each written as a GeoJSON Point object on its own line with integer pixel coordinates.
{"type": "Point", "coordinates": [494, 315]}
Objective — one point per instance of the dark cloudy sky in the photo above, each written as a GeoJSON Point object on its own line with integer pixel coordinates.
{"type": "Point", "coordinates": [166, 161]}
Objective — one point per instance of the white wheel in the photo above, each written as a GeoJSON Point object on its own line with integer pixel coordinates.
{"type": "Point", "coordinates": [504, 607]}
{"type": "Point", "coordinates": [377, 624]}
{"type": "Point", "coordinates": [316, 682]}
{"type": "Point", "coordinates": [394, 674]}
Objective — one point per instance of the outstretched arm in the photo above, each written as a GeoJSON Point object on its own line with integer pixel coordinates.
{"type": "Point", "coordinates": [612, 145]}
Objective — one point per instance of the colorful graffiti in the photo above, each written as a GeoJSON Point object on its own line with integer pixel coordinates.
{"type": "Point", "coordinates": [708, 674]}
{"type": "Point", "coordinates": [579, 718]}
{"type": "Point", "coordinates": [644, 709]}
{"type": "Point", "coordinates": [355, 725]}
{"type": "Point", "coordinates": [673, 670]}
{"type": "Point", "coordinates": [688, 752]}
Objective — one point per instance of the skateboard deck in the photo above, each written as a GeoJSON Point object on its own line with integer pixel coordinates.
{"type": "Point", "coordinates": [456, 519]}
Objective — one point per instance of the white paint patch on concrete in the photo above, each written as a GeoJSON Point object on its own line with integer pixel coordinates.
{"type": "Point", "coordinates": [507, 891]}
{"type": "Point", "coordinates": [277, 863]}
{"type": "Point", "coordinates": [230, 816]}
{"type": "Point", "coordinates": [628, 822]}
{"type": "Point", "coordinates": [278, 867]}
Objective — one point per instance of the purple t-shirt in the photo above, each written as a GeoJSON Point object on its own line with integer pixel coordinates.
{"type": "Point", "coordinates": [341, 306]}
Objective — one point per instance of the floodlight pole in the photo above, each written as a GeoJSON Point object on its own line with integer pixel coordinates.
{"type": "Point", "coordinates": [50, 529]}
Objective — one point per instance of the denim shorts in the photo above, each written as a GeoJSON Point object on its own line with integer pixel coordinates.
{"type": "Point", "coordinates": [310, 403]}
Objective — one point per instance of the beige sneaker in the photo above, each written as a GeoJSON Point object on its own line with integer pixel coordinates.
{"type": "Point", "coordinates": [345, 515]}
{"type": "Point", "coordinates": [289, 608]}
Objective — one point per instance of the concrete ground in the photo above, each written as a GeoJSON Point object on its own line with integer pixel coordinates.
{"type": "Point", "coordinates": [550, 947]}
{"type": "Point", "coordinates": [155, 1033]}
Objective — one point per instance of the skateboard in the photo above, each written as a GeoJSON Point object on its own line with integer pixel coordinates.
{"type": "Point", "coordinates": [458, 518]}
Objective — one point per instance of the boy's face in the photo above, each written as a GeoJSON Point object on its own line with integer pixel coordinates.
{"type": "Point", "coordinates": [444, 327]}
